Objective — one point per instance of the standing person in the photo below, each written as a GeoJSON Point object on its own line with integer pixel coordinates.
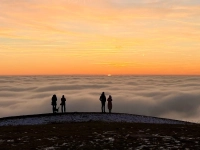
{"type": "Point", "coordinates": [63, 100]}
{"type": "Point", "coordinates": [54, 102]}
{"type": "Point", "coordinates": [103, 102]}
{"type": "Point", "coordinates": [109, 103]}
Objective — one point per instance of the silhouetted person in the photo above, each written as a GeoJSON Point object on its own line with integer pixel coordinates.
{"type": "Point", "coordinates": [103, 102]}
{"type": "Point", "coordinates": [109, 103]}
{"type": "Point", "coordinates": [63, 100]}
{"type": "Point", "coordinates": [54, 103]}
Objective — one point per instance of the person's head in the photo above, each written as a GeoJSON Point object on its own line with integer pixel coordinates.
{"type": "Point", "coordinates": [110, 96]}
{"type": "Point", "coordinates": [63, 96]}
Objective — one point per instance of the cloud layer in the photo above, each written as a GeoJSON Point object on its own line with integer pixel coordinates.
{"type": "Point", "coordinates": [176, 97]}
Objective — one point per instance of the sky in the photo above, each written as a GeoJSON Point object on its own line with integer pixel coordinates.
{"type": "Point", "coordinates": [39, 37]}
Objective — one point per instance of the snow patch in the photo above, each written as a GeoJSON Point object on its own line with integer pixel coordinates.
{"type": "Point", "coordinates": [86, 117]}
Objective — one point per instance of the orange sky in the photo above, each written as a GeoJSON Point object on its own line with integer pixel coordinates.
{"type": "Point", "coordinates": [99, 37]}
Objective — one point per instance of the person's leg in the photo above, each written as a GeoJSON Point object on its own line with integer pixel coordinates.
{"type": "Point", "coordinates": [64, 109]}
{"type": "Point", "coordinates": [54, 106]}
{"type": "Point", "coordinates": [102, 107]}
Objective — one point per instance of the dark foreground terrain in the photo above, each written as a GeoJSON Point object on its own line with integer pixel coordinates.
{"type": "Point", "coordinates": [100, 135]}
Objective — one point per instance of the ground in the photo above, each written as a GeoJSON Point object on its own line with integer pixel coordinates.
{"type": "Point", "coordinates": [100, 135]}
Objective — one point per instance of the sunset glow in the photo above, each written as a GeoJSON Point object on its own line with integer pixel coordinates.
{"type": "Point", "coordinates": [40, 37]}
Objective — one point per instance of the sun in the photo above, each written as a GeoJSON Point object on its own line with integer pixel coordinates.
{"type": "Point", "coordinates": [109, 75]}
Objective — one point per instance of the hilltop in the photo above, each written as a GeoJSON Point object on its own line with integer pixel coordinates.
{"type": "Point", "coordinates": [96, 131]}
{"type": "Point", "coordinates": [83, 117]}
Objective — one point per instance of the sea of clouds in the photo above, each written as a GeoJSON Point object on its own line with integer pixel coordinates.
{"type": "Point", "coordinates": [176, 97]}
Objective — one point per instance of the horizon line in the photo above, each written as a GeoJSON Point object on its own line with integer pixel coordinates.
{"type": "Point", "coordinates": [109, 75]}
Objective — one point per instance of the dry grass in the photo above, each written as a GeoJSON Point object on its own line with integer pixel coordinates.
{"type": "Point", "coordinates": [100, 135]}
